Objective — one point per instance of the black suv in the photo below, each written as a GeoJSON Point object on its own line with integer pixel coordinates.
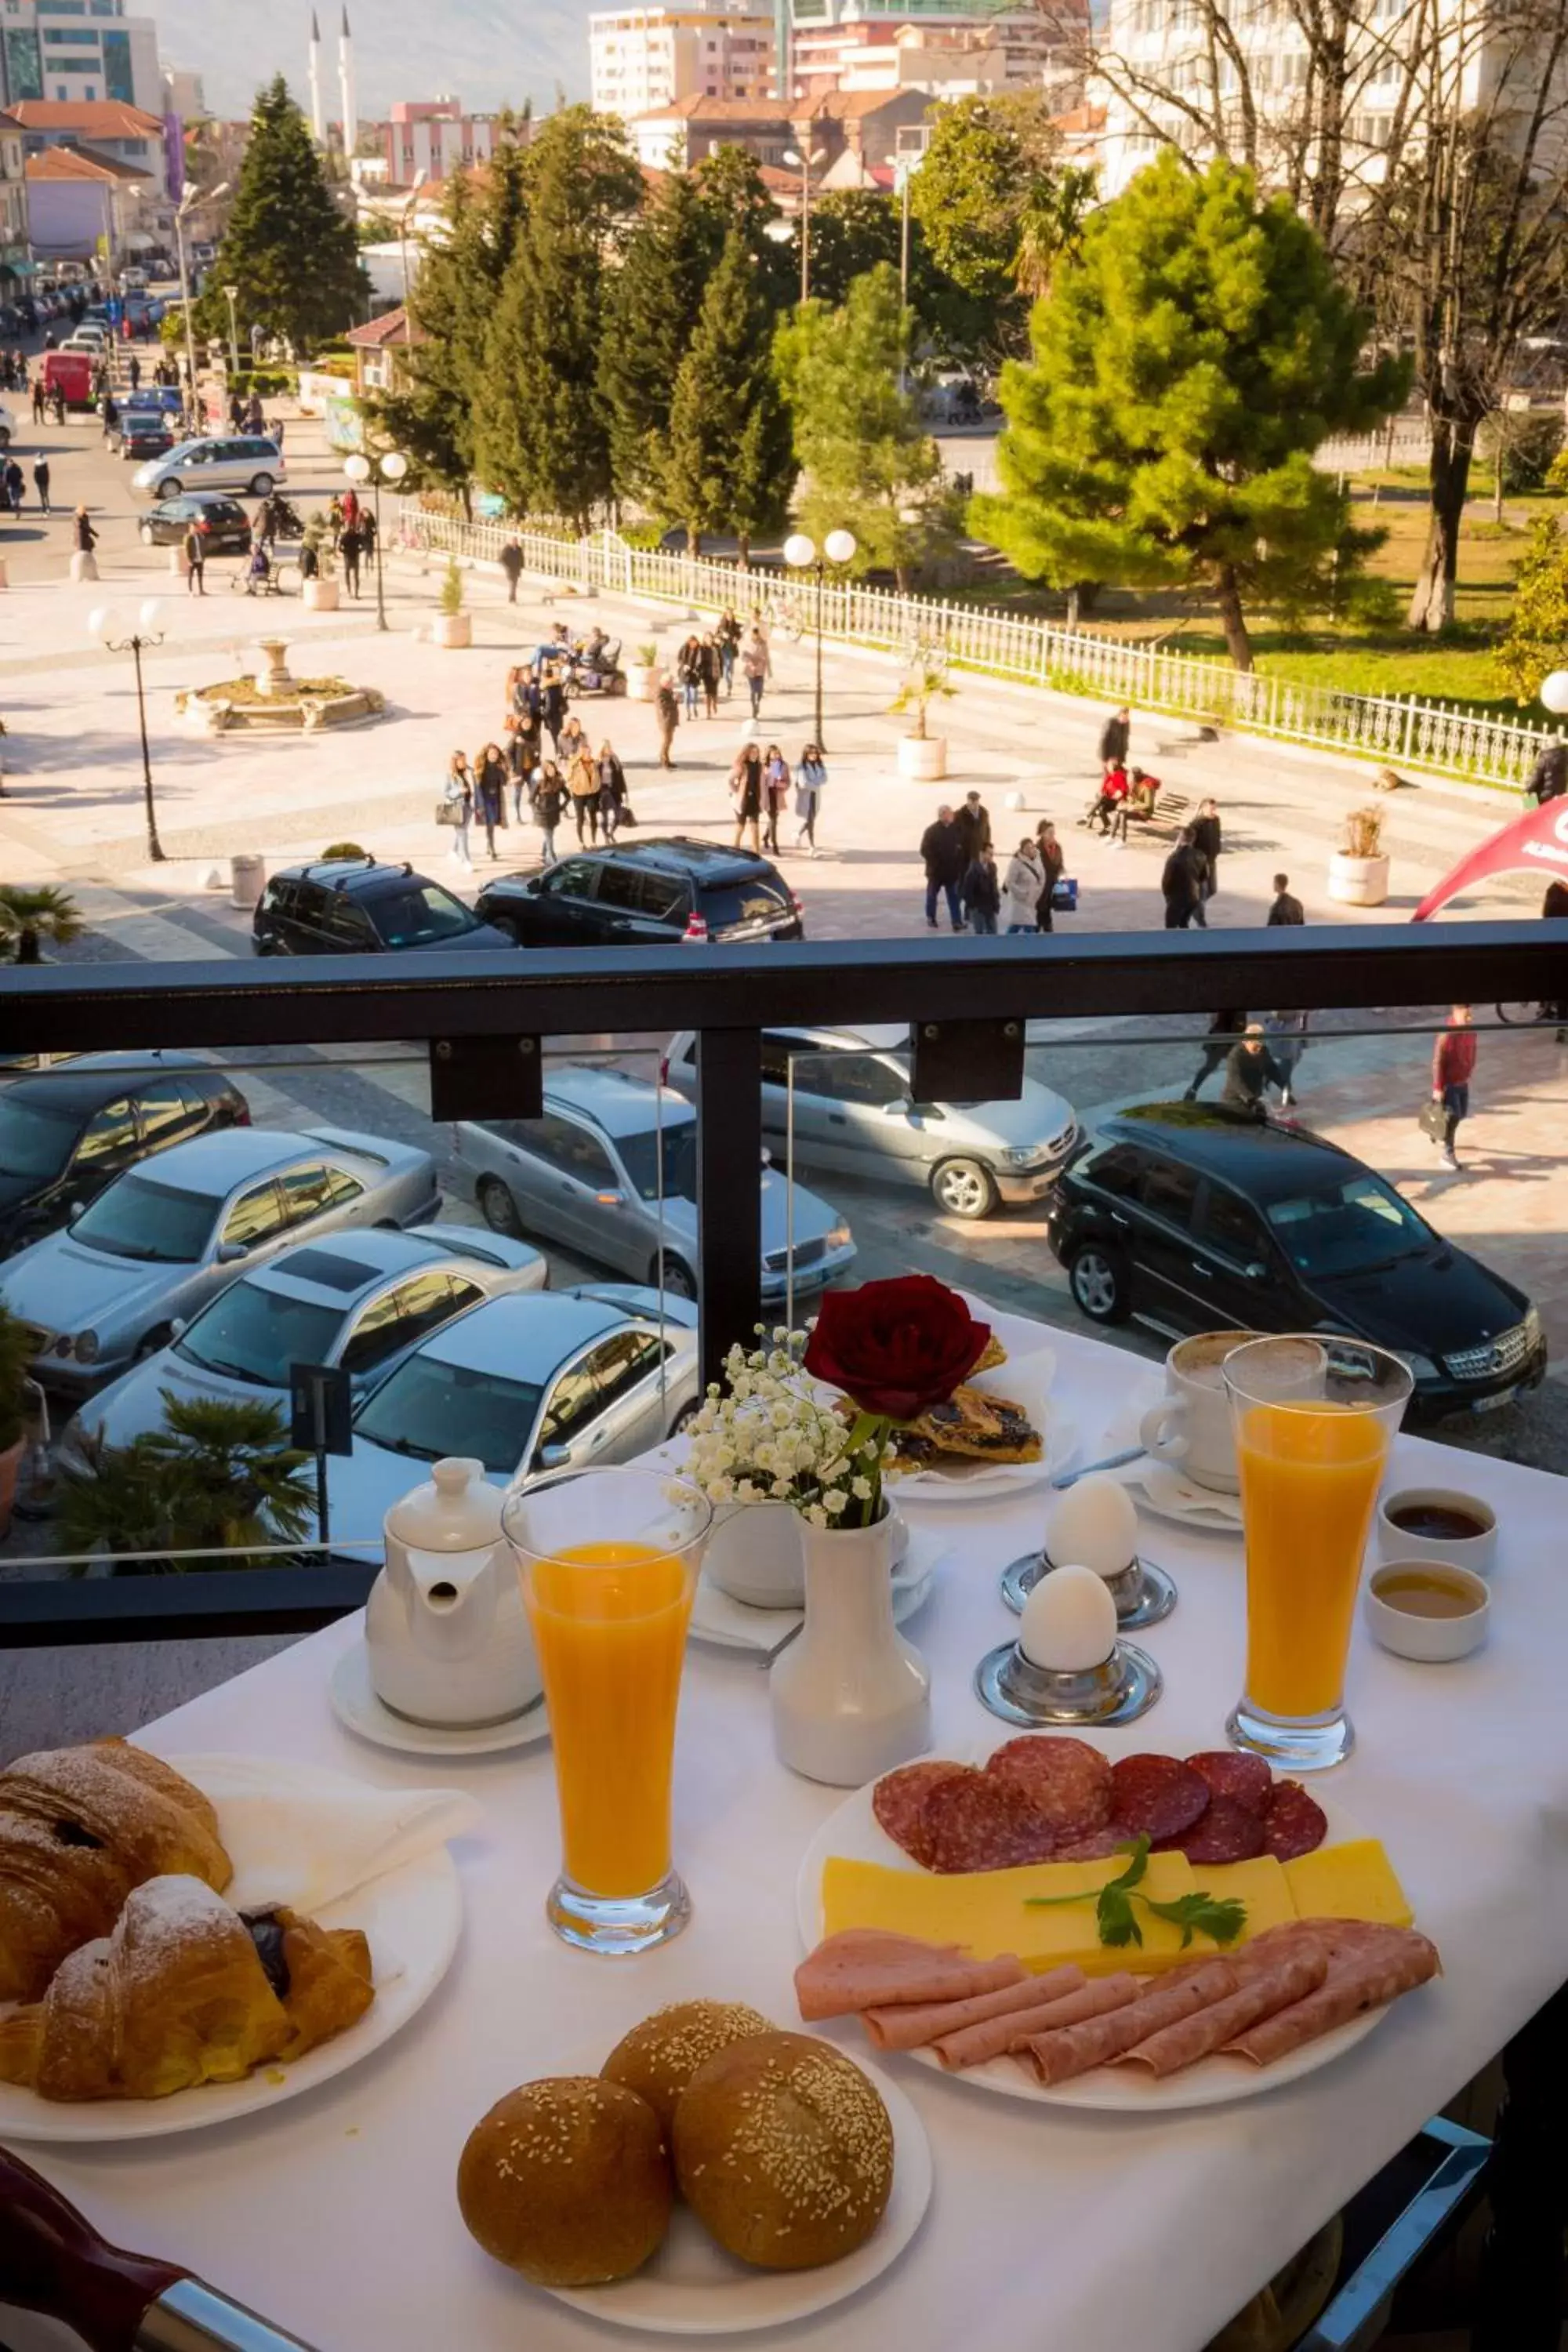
{"type": "Point", "coordinates": [636, 896]}
{"type": "Point", "coordinates": [343, 907]}
{"type": "Point", "coordinates": [1199, 1220]}
{"type": "Point", "coordinates": [65, 1136]}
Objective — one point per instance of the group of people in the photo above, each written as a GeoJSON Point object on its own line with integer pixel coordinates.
{"type": "Point", "coordinates": [761, 783]}
{"type": "Point", "coordinates": [706, 665]}
{"type": "Point", "coordinates": [592, 784]}
{"type": "Point", "coordinates": [961, 872]}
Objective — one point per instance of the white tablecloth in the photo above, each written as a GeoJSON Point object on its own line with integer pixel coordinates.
{"type": "Point", "coordinates": [336, 2215]}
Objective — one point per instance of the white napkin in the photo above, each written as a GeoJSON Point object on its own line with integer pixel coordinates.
{"type": "Point", "coordinates": [300, 1834]}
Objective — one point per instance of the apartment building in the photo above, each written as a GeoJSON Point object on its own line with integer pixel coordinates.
{"type": "Point", "coordinates": [872, 44]}
{"type": "Point", "coordinates": [434, 135]}
{"type": "Point", "coordinates": [77, 51]}
{"type": "Point", "coordinates": [14, 229]}
{"type": "Point", "coordinates": [641, 59]}
{"type": "Point", "coordinates": [856, 133]}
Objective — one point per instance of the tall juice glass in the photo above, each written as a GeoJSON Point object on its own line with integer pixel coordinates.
{"type": "Point", "coordinates": [1314, 1421]}
{"type": "Point", "coordinates": [608, 1560]}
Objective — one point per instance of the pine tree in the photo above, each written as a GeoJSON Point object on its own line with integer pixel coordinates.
{"type": "Point", "coordinates": [729, 464]}
{"type": "Point", "coordinates": [1538, 624]}
{"type": "Point", "coordinates": [653, 302]}
{"type": "Point", "coordinates": [1187, 365]}
{"type": "Point", "coordinates": [289, 250]}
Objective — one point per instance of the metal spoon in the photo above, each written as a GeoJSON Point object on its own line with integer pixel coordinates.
{"type": "Point", "coordinates": [1111, 1462]}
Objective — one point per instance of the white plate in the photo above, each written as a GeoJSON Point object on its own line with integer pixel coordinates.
{"type": "Point", "coordinates": [731, 1624]}
{"type": "Point", "coordinates": [411, 1917]}
{"type": "Point", "coordinates": [358, 1709]}
{"type": "Point", "coordinates": [691, 2287]}
{"type": "Point", "coordinates": [1024, 1380]}
{"type": "Point", "coordinates": [854, 1831]}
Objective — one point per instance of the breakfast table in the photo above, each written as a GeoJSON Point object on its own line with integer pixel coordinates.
{"type": "Point", "coordinates": [336, 2216]}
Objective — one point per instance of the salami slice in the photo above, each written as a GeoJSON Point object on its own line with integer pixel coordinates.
{"type": "Point", "coordinates": [1294, 1824]}
{"type": "Point", "coordinates": [1226, 1832]}
{"type": "Point", "coordinates": [899, 1796]}
{"type": "Point", "coordinates": [977, 1820]}
{"type": "Point", "coordinates": [1157, 1797]}
{"type": "Point", "coordinates": [1245, 1779]}
{"type": "Point", "coordinates": [1066, 1781]}
{"type": "Point", "coordinates": [1097, 1846]}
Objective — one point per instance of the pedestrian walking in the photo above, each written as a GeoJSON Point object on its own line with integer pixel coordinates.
{"type": "Point", "coordinates": [688, 670]}
{"type": "Point", "coordinates": [195, 548]}
{"type": "Point", "coordinates": [82, 530]}
{"type": "Point", "coordinates": [350, 547]}
{"type": "Point", "coordinates": [41, 481]}
{"type": "Point", "coordinates": [491, 795]}
{"type": "Point", "coordinates": [728, 637]}
{"type": "Point", "coordinates": [367, 535]}
{"type": "Point", "coordinates": [973, 822]}
{"type": "Point", "coordinates": [1453, 1067]}
{"type": "Point", "coordinates": [109, 411]}
{"type": "Point", "coordinates": [1115, 737]}
{"type": "Point", "coordinates": [612, 790]}
{"type": "Point", "coordinates": [58, 403]}
{"type": "Point", "coordinates": [756, 668]}
{"type": "Point", "coordinates": [1181, 883]}
{"type": "Point", "coordinates": [39, 397]}
{"type": "Point", "coordinates": [1053, 863]}
{"type": "Point", "coordinates": [572, 741]}
{"type": "Point", "coordinates": [809, 779]}
{"type": "Point", "coordinates": [1025, 880]}
{"type": "Point", "coordinates": [746, 787]}
{"type": "Point", "coordinates": [775, 795]}
{"type": "Point", "coordinates": [553, 704]}
{"type": "Point", "coordinates": [943, 855]}
{"type": "Point", "coordinates": [16, 484]}
{"type": "Point", "coordinates": [980, 893]}
{"type": "Point", "coordinates": [1225, 1028]}
{"type": "Point", "coordinates": [1285, 908]}
{"type": "Point", "coordinates": [712, 673]}
{"type": "Point", "coordinates": [667, 712]}
{"type": "Point", "coordinates": [1553, 908]}
{"type": "Point", "coordinates": [456, 808]}
{"type": "Point", "coordinates": [1249, 1068]}
{"type": "Point", "coordinates": [1547, 779]}
{"type": "Point", "coordinates": [133, 370]}
{"type": "Point", "coordinates": [582, 786]}
{"type": "Point", "coordinates": [549, 801]}
{"type": "Point", "coordinates": [1209, 839]}
{"type": "Point", "coordinates": [511, 565]}
{"type": "Point", "coordinates": [1287, 1036]}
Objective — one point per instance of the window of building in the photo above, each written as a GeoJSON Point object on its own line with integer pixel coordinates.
{"type": "Point", "coordinates": [59, 35]}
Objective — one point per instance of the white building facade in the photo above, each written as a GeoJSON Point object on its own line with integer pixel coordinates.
{"type": "Point", "coordinates": [74, 52]}
{"type": "Point", "coordinates": [856, 44]}
{"type": "Point", "coordinates": [644, 58]}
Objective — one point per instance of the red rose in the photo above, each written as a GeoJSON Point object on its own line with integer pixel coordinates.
{"type": "Point", "coordinates": [896, 1348]}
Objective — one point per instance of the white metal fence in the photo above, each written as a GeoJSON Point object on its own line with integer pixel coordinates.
{"type": "Point", "coordinates": [1400, 730]}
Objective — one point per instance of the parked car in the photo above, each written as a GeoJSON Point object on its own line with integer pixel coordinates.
{"type": "Point", "coordinates": [223, 524]}
{"type": "Point", "coordinates": [8, 424]}
{"type": "Point", "coordinates": [143, 433]}
{"type": "Point", "coordinates": [563, 1380]}
{"type": "Point", "coordinates": [588, 1174]}
{"type": "Point", "coordinates": [637, 896]}
{"type": "Point", "coordinates": [360, 1300]}
{"type": "Point", "coordinates": [63, 1139]}
{"type": "Point", "coordinates": [354, 908]}
{"type": "Point", "coordinates": [853, 1113]}
{"type": "Point", "coordinates": [1196, 1220]}
{"type": "Point", "coordinates": [225, 462]}
{"type": "Point", "coordinates": [157, 1243]}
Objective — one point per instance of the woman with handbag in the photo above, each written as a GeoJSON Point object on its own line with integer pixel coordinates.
{"type": "Point", "coordinates": [809, 778]}
{"type": "Point", "coordinates": [612, 790]}
{"type": "Point", "coordinates": [746, 791]}
{"type": "Point", "coordinates": [583, 786]}
{"type": "Point", "coordinates": [455, 808]}
{"type": "Point", "coordinates": [549, 798]}
{"type": "Point", "coordinates": [1052, 863]}
{"type": "Point", "coordinates": [775, 795]}
{"type": "Point", "coordinates": [490, 795]}
{"type": "Point", "coordinates": [1025, 882]}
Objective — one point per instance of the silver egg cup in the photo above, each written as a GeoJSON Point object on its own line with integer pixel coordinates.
{"type": "Point", "coordinates": [1143, 1594]}
{"type": "Point", "coordinates": [1123, 1687]}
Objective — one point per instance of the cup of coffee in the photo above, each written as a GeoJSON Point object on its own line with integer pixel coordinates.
{"type": "Point", "coordinates": [1192, 1423]}
{"type": "Point", "coordinates": [1437, 1523]}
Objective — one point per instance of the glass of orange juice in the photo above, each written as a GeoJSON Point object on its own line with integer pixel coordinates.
{"type": "Point", "coordinates": [1314, 1418]}
{"type": "Point", "coordinates": [608, 1560]}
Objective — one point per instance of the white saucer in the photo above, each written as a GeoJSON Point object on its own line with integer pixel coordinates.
{"type": "Point", "coordinates": [731, 1624]}
{"type": "Point", "coordinates": [1170, 1496]}
{"type": "Point", "coordinates": [359, 1710]}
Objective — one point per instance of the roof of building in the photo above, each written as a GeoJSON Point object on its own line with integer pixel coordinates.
{"type": "Point", "coordinates": [391, 327]}
{"type": "Point", "coordinates": [698, 109]}
{"type": "Point", "coordinates": [94, 118]}
{"type": "Point", "coordinates": [8, 121]}
{"type": "Point", "coordinates": [81, 163]}
{"type": "Point", "coordinates": [1081, 118]}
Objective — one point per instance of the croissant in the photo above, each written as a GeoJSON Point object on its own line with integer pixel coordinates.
{"type": "Point", "coordinates": [80, 1827]}
{"type": "Point", "coordinates": [187, 1990]}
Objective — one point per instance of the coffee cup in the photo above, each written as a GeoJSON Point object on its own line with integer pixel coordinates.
{"type": "Point", "coordinates": [1191, 1424]}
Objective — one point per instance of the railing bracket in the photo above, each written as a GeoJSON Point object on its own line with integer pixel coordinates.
{"type": "Point", "coordinates": [485, 1077]}
{"type": "Point", "coordinates": [968, 1061]}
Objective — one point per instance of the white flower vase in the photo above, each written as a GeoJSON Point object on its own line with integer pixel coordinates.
{"type": "Point", "coordinates": [851, 1697]}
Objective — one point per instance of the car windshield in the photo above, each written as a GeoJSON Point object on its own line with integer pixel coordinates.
{"type": "Point", "coordinates": [409, 918]}
{"type": "Point", "coordinates": [428, 1409]}
{"type": "Point", "coordinates": [256, 1334]}
{"type": "Point", "coordinates": [1351, 1228]}
{"type": "Point", "coordinates": [35, 1139]}
{"type": "Point", "coordinates": [136, 1218]}
{"type": "Point", "coordinates": [641, 1160]}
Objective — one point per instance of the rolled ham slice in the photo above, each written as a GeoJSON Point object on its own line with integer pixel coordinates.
{"type": "Point", "coordinates": [914, 2025]}
{"type": "Point", "coordinates": [995, 2036]}
{"type": "Point", "coordinates": [1057, 2057]}
{"type": "Point", "coordinates": [1361, 1975]}
{"type": "Point", "coordinates": [867, 1968]}
{"type": "Point", "coordinates": [1264, 1990]}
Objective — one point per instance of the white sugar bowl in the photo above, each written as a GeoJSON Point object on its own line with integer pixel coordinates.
{"type": "Point", "coordinates": [446, 1631]}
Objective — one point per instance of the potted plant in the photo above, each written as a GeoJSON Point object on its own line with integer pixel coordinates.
{"type": "Point", "coordinates": [1358, 870]}
{"type": "Point", "coordinates": [16, 1392]}
{"type": "Point", "coordinates": [319, 592]}
{"type": "Point", "coordinates": [640, 673]}
{"type": "Point", "coordinates": [31, 914]}
{"type": "Point", "coordinates": [217, 1476]}
{"type": "Point", "coordinates": [454, 628]}
{"type": "Point", "coordinates": [922, 757]}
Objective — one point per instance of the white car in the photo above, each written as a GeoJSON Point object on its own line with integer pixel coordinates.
{"type": "Point", "coordinates": [246, 462]}
{"type": "Point", "coordinates": [7, 426]}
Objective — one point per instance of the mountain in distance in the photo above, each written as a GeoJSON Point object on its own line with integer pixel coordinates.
{"type": "Point", "coordinates": [488, 53]}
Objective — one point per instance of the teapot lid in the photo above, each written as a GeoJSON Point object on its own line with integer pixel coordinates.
{"type": "Point", "coordinates": [454, 1510]}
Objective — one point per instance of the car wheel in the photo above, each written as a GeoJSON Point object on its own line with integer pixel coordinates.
{"type": "Point", "coordinates": [685, 1417]}
{"type": "Point", "coordinates": [261, 488]}
{"type": "Point", "coordinates": [150, 1341]}
{"type": "Point", "coordinates": [145, 535]}
{"type": "Point", "coordinates": [1098, 1280]}
{"type": "Point", "coordinates": [170, 489]}
{"type": "Point", "coordinates": [964, 1187]}
{"type": "Point", "coordinates": [497, 1207]}
{"type": "Point", "coordinates": [675, 1277]}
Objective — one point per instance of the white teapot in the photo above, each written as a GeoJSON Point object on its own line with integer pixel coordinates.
{"type": "Point", "coordinates": [445, 1628]}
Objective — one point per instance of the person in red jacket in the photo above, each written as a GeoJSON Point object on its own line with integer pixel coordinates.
{"type": "Point", "coordinates": [1453, 1066]}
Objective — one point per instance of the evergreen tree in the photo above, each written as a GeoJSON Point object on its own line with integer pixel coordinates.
{"type": "Point", "coordinates": [1538, 624]}
{"type": "Point", "coordinates": [655, 297]}
{"type": "Point", "coordinates": [987, 169]}
{"type": "Point", "coordinates": [727, 465]}
{"type": "Point", "coordinates": [289, 250]}
{"type": "Point", "coordinates": [1185, 366]}
{"type": "Point", "coordinates": [851, 230]}
{"type": "Point", "coordinates": [729, 182]}
{"type": "Point", "coordinates": [858, 439]}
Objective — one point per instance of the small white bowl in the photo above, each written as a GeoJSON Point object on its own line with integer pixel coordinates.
{"type": "Point", "coordinates": [1477, 1552]}
{"type": "Point", "coordinates": [1430, 1641]}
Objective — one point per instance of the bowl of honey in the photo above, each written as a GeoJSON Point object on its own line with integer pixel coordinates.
{"type": "Point", "coordinates": [1432, 1611]}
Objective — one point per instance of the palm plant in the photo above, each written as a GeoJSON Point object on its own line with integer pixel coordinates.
{"type": "Point", "coordinates": [30, 916]}
{"type": "Point", "coordinates": [925, 681]}
{"type": "Point", "coordinates": [16, 1348]}
{"type": "Point", "coordinates": [1050, 226]}
{"type": "Point", "coordinates": [217, 1476]}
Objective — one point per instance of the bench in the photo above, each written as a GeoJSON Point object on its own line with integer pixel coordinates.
{"type": "Point", "coordinates": [1170, 812]}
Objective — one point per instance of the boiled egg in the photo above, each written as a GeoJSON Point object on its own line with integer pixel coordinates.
{"type": "Point", "coordinates": [1068, 1622]}
{"type": "Point", "coordinates": [1094, 1522]}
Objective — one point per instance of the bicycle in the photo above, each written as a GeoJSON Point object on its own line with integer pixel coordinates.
{"type": "Point", "coordinates": [1522, 1016]}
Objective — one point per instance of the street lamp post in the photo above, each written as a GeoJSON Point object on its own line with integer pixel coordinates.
{"type": "Point", "coordinates": [390, 466]}
{"type": "Point", "coordinates": [192, 195]}
{"type": "Point", "coordinates": [804, 162]}
{"type": "Point", "coordinates": [102, 624]}
{"type": "Point", "coordinates": [800, 553]}
{"type": "Point", "coordinates": [231, 296]}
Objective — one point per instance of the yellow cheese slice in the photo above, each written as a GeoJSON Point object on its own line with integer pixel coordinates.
{"type": "Point", "coordinates": [1259, 1887]}
{"type": "Point", "coordinates": [987, 1911]}
{"type": "Point", "coordinates": [1347, 1881]}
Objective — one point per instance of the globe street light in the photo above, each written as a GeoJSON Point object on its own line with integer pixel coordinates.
{"type": "Point", "coordinates": [389, 466]}
{"type": "Point", "coordinates": [1554, 692]}
{"type": "Point", "coordinates": [800, 553]}
{"type": "Point", "coordinates": [105, 624]}
{"type": "Point", "coordinates": [804, 163]}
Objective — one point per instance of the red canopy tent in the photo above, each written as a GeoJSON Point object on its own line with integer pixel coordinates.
{"type": "Point", "coordinates": [1536, 843]}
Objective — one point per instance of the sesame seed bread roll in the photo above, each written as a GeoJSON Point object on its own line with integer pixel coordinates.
{"type": "Point", "coordinates": [657, 2058]}
{"type": "Point", "coordinates": [784, 2150]}
{"type": "Point", "coordinates": [568, 2182]}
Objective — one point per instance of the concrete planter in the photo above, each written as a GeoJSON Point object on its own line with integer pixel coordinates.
{"type": "Point", "coordinates": [922, 758]}
{"type": "Point", "coordinates": [454, 631]}
{"type": "Point", "coordinates": [640, 676]}
{"type": "Point", "coordinates": [1358, 881]}
{"type": "Point", "coordinates": [320, 595]}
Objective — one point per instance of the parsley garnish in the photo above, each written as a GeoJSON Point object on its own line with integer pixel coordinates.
{"type": "Point", "coordinates": [1116, 1922]}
